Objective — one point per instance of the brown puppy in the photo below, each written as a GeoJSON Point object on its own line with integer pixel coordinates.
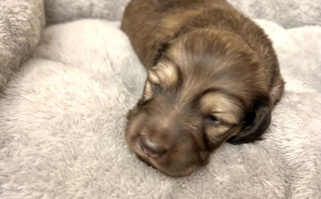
{"type": "Point", "coordinates": [213, 76]}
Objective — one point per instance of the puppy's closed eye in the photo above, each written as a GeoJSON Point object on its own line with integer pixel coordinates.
{"type": "Point", "coordinates": [152, 86]}
{"type": "Point", "coordinates": [160, 77]}
{"type": "Point", "coordinates": [212, 120]}
{"type": "Point", "coordinates": [222, 114]}
{"type": "Point", "coordinates": [155, 87]}
{"type": "Point", "coordinates": [221, 107]}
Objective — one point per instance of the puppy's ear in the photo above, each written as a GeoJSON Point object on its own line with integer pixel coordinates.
{"type": "Point", "coordinates": [256, 123]}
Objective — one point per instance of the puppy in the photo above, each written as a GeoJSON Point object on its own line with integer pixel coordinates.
{"type": "Point", "coordinates": [213, 76]}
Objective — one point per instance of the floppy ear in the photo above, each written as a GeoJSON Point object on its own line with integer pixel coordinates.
{"type": "Point", "coordinates": [256, 123]}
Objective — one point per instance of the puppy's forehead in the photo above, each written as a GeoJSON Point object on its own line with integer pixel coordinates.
{"type": "Point", "coordinates": [200, 50]}
{"type": "Point", "coordinates": [193, 64]}
{"type": "Point", "coordinates": [164, 73]}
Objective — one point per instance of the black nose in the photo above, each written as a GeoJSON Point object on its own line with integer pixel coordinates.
{"type": "Point", "coordinates": [152, 149]}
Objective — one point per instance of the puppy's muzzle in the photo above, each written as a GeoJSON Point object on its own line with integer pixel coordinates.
{"type": "Point", "coordinates": [152, 149]}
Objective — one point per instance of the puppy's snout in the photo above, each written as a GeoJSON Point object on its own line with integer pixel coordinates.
{"type": "Point", "coordinates": [152, 149]}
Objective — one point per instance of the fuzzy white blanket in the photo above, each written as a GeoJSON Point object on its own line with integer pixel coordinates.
{"type": "Point", "coordinates": [62, 120]}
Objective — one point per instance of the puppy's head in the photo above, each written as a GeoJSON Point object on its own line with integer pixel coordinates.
{"type": "Point", "coordinates": [203, 90]}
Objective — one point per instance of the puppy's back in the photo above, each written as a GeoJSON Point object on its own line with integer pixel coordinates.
{"type": "Point", "coordinates": [151, 23]}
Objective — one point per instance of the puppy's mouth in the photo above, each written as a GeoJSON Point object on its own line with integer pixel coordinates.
{"type": "Point", "coordinates": [144, 160]}
{"type": "Point", "coordinates": [157, 163]}
{"type": "Point", "coordinates": [181, 173]}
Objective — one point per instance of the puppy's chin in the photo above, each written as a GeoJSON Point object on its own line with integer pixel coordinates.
{"type": "Point", "coordinates": [170, 172]}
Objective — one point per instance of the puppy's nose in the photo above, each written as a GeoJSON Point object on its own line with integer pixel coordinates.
{"type": "Point", "coordinates": [154, 150]}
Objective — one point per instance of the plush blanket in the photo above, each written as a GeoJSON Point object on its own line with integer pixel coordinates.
{"type": "Point", "coordinates": [21, 23]}
{"type": "Point", "coordinates": [62, 118]}
{"type": "Point", "coordinates": [289, 13]}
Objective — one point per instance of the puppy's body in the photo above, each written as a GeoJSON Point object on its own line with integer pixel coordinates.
{"type": "Point", "coordinates": [213, 74]}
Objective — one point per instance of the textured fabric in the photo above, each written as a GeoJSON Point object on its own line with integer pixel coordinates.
{"type": "Point", "coordinates": [63, 115]}
{"type": "Point", "coordinates": [288, 13]}
{"type": "Point", "coordinates": [21, 23]}
{"type": "Point", "coordinates": [57, 11]}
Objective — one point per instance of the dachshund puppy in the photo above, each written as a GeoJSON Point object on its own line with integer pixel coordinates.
{"type": "Point", "coordinates": [213, 76]}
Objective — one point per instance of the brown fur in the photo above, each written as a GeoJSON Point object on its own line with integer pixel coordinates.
{"type": "Point", "coordinates": [213, 76]}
